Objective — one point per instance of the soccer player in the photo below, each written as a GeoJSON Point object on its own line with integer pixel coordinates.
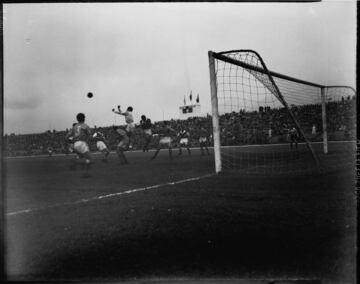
{"type": "Point", "coordinates": [204, 139]}
{"type": "Point", "coordinates": [313, 129]}
{"type": "Point", "coordinates": [293, 135]}
{"type": "Point", "coordinates": [99, 137]}
{"type": "Point", "coordinates": [50, 151]}
{"type": "Point", "coordinates": [184, 137]}
{"type": "Point", "coordinates": [145, 124]}
{"type": "Point", "coordinates": [123, 144]}
{"type": "Point", "coordinates": [166, 133]}
{"type": "Point", "coordinates": [69, 141]}
{"type": "Point", "coordinates": [129, 119]}
{"type": "Point", "coordinates": [81, 133]}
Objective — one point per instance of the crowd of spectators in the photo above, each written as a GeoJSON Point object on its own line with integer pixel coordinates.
{"type": "Point", "coordinates": [267, 125]}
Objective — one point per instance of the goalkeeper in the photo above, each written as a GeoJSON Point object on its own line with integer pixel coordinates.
{"type": "Point", "coordinates": [294, 137]}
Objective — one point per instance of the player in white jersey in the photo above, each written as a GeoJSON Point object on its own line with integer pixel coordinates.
{"type": "Point", "coordinates": [166, 133]}
{"type": "Point", "coordinates": [81, 133]}
{"type": "Point", "coordinates": [123, 144]}
{"type": "Point", "coordinates": [99, 137]}
{"type": "Point", "coordinates": [184, 137]}
{"type": "Point", "coordinates": [129, 119]}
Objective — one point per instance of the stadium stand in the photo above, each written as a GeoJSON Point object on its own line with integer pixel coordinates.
{"type": "Point", "coordinates": [236, 128]}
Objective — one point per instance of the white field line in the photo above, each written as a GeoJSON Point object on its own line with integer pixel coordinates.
{"type": "Point", "coordinates": [193, 148]}
{"type": "Point", "coordinates": [85, 200]}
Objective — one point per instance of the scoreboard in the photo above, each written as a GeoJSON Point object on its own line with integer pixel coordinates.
{"type": "Point", "coordinates": [189, 111]}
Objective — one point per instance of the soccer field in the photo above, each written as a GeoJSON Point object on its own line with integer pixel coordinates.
{"type": "Point", "coordinates": [177, 219]}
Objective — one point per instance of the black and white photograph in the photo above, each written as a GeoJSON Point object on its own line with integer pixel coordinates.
{"type": "Point", "coordinates": [179, 142]}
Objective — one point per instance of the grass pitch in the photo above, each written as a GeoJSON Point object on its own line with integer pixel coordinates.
{"type": "Point", "coordinates": [136, 221]}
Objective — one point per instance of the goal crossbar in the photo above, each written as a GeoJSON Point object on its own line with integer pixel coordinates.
{"type": "Point", "coordinates": [220, 56]}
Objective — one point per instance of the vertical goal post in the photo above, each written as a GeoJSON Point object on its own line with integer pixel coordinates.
{"type": "Point", "coordinates": [215, 113]}
{"type": "Point", "coordinates": [239, 67]}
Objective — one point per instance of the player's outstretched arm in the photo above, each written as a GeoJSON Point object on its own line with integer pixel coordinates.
{"type": "Point", "coordinates": [118, 112]}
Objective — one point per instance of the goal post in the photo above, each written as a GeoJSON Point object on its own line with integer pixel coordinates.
{"type": "Point", "coordinates": [255, 113]}
{"type": "Point", "coordinates": [215, 113]}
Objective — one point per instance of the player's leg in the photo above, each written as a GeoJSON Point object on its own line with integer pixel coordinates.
{"type": "Point", "coordinates": [129, 131]}
{"type": "Point", "coordinates": [106, 153]}
{"type": "Point", "coordinates": [207, 148]}
{"type": "Point", "coordinates": [170, 150]}
{"type": "Point", "coordinates": [201, 142]}
{"type": "Point", "coordinates": [202, 148]}
{"type": "Point", "coordinates": [75, 161]}
{"type": "Point", "coordinates": [146, 143]}
{"type": "Point", "coordinates": [87, 162]}
{"type": "Point", "coordinates": [188, 148]}
{"type": "Point", "coordinates": [180, 149]}
{"type": "Point", "coordinates": [83, 151]}
{"type": "Point", "coordinates": [121, 148]}
{"type": "Point", "coordinates": [100, 145]}
{"type": "Point", "coordinates": [147, 137]}
{"type": "Point", "coordinates": [79, 149]}
{"type": "Point", "coordinates": [120, 152]}
{"type": "Point", "coordinates": [156, 152]}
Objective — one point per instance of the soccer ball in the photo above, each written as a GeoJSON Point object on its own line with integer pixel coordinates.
{"type": "Point", "coordinates": [90, 95]}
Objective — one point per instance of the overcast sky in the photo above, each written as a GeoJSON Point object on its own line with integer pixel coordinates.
{"type": "Point", "coordinates": [151, 55]}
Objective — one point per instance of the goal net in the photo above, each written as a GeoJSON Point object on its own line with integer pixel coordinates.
{"type": "Point", "coordinates": [266, 122]}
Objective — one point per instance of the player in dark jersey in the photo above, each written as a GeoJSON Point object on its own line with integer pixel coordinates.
{"type": "Point", "coordinates": [145, 124]}
{"type": "Point", "coordinates": [293, 136]}
{"type": "Point", "coordinates": [81, 133]}
{"type": "Point", "coordinates": [184, 141]}
{"type": "Point", "coordinates": [123, 145]}
{"type": "Point", "coordinates": [99, 137]}
{"type": "Point", "coordinates": [50, 150]}
{"type": "Point", "coordinates": [165, 133]}
{"type": "Point", "coordinates": [204, 139]}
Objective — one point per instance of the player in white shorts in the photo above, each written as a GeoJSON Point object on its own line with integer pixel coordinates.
{"type": "Point", "coordinates": [81, 133]}
{"type": "Point", "coordinates": [184, 137]}
{"type": "Point", "coordinates": [99, 137]}
{"type": "Point", "coordinates": [123, 144]}
{"type": "Point", "coordinates": [166, 133]}
{"type": "Point", "coordinates": [129, 119]}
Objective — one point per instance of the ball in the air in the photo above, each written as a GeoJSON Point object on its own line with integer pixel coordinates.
{"type": "Point", "coordinates": [90, 95]}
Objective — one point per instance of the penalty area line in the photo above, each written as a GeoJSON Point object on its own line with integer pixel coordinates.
{"type": "Point", "coordinates": [86, 200]}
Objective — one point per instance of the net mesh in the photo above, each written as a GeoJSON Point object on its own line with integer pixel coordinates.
{"type": "Point", "coordinates": [258, 113]}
